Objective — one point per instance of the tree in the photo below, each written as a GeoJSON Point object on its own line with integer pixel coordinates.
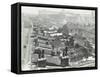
{"type": "Point", "coordinates": [65, 30]}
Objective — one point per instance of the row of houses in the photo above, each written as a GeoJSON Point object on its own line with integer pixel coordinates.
{"type": "Point", "coordinates": [42, 45]}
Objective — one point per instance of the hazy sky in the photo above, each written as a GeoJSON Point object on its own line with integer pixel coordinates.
{"type": "Point", "coordinates": [35, 10]}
